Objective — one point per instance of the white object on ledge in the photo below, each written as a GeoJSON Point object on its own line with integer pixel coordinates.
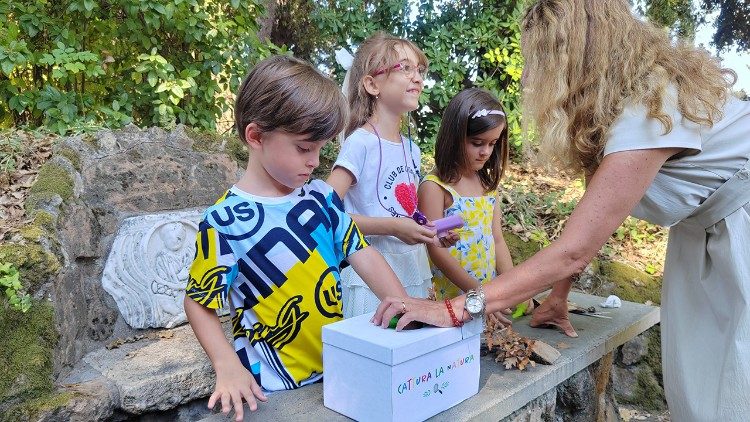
{"type": "Point", "coordinates": [611, 302]}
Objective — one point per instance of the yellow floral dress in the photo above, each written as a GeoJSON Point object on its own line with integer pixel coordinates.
{"type": "Point", "coordinates": [475, 250]}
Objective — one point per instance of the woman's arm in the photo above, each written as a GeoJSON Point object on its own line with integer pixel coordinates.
{"type": "Point", "coordinates": [615, 188]}
{"type": "Point", "coordinates": [405, 229]}
{"type": "Point", "coordinates": [432, 200]}
{"type": "Point", "coordinates": [503, 260]}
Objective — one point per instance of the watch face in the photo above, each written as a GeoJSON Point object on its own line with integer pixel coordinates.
{"type": "Point", "coordinates": [473, 304]}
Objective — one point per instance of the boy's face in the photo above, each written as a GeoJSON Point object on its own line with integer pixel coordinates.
{"type": "Point", "coordinates": [288, 158]}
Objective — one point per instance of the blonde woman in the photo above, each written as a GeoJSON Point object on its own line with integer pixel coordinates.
{"type": "Point", "coordinates": [658, 135]}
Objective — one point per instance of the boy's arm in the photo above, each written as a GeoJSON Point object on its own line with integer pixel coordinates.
{"type": "Point", "coordinates": [233, 381]}
{"type": "Point", "coordinates": [376, 273]}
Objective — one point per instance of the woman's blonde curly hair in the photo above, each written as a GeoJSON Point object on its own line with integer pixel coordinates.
{"type": "Point", "coordinates": [587, 59]}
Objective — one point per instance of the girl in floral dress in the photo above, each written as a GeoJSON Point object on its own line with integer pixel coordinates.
{"type": "Point", "coordinates": [471, 154]}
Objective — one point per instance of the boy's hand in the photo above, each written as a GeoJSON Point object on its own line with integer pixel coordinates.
{"type": "Point", "coordinates": [412, 233]}
{"type": "Point", "coordinates": [233, 384]}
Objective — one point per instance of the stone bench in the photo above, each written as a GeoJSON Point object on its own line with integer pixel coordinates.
{"type": "Point", "coordinates": [511, 394]}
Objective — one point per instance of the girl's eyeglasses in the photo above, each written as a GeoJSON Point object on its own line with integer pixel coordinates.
{"type": "Point", "coordinates": [405, 68]}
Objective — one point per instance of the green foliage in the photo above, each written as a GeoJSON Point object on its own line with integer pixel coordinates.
{"type": "Point", "coordinates": [536, 215]}
{"type": "Point", "coordinates": [732, 28]}
{"type": "Point", "coordinates": [468, 44]}
{"type": "Point", "coordinates": [74, 63]}
{"type": "Point", "coordinates": [11, 284]}
{"type": "Point", "coordinates": [638, 231]}
{"type": "Point", "coordinates": [11, 148]}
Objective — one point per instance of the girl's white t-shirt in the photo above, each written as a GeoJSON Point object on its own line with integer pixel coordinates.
{"type": "Point", "coordinates": [380, 169]}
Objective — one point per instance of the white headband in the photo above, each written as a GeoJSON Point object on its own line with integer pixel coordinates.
{"type": "Point", "coordinates": [484, 112]}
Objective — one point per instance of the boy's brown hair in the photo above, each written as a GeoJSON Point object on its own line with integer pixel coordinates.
{"type": "Point", "coordinates": [286, 93]}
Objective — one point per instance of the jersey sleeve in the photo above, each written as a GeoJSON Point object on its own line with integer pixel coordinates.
{"type": "Point", "coordinates": [213, 270]}
{"type": "Point", "coordinates": [346, 234]}
{"type": "Point", "coordinates": [634, 130]}
{"type": "Point", "coordinates": [352, 156]}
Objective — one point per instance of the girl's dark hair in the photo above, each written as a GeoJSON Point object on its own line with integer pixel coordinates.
{"type": "Point", "coordinates": [285, 93]}
{"type": "Point", "coordinates": [458, 125]}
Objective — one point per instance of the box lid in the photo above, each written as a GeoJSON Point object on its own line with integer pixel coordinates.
{"type": "Point", "coordinates": [389, 346]}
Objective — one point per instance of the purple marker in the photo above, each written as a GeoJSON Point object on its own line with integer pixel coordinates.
{"type": "Point", "coordinates": [448, 223]}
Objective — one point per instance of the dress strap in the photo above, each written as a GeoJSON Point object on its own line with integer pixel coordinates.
{"type": "Point", "coordinates": [435, 179]}
{"type": "Point", "coordinates": [728, 198]}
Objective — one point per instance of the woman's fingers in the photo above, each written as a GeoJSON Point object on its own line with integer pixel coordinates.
{"type": "Point", "coordinates": [502, 319]}
{"type": "Point", "coordinates": [384, 304]}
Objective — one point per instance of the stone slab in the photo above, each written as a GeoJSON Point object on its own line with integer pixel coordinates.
{"type": "Point", "coordinates": [501, 392]}
{"type": "Point", "coordinates": [149, 375]}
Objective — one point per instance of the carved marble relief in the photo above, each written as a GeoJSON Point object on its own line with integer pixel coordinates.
{"type": "Point", "coordinates": [147, 268]}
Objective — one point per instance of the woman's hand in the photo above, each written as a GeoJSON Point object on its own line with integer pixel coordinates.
{"type": "Point", "coordinates": [413, 309]}
{"type": "Point", "coordinates": [553, 311]}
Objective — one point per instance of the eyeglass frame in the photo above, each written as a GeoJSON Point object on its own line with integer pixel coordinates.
{"type": "Point", "coordinates": [401, 66]}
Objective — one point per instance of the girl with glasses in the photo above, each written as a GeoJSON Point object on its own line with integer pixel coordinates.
{"type": "Point", "coordinates": [377, 170]}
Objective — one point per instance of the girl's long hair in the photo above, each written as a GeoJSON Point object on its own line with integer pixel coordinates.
{"type": "Point", "coordinates": [458, 125]}
{"type": "Point", "coordinates": [587, 59]}
{"type": "Point", "coordinates": [377, 52]}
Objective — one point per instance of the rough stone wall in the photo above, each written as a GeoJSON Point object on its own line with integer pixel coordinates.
{"type": "Point", "coordinates": [94, 183]}
{"type": "Point", "coordinates": [587, 396]}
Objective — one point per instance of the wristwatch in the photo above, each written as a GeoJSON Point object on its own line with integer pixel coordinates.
{"type": "Point", "coordinates": [474, 303]}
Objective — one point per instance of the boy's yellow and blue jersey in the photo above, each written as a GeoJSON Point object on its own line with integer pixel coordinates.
{"type": "Point", "coordinates": [275, 262]}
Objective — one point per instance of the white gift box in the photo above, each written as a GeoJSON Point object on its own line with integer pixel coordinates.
{"type": "Point", "coordinates": [376, 374]}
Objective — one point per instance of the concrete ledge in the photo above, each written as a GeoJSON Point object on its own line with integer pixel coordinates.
{"type": "Point", "coordinates": [501, 392]}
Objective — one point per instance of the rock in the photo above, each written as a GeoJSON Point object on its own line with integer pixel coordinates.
{"type": "Point", "coordinates": [574, 397]}
{"type": "Point", "coordinates": [92, 184]}
{"type": "Point", "coordinates": [147, 268]}
{"type": "Point", "coordinates": [633, 351]}
{"type": "Point", "coordinates": [624, 383]}
{"type": "Point", "coordinates": [160, 372]}
{"type": "Point", "coordinates": [539, 409]}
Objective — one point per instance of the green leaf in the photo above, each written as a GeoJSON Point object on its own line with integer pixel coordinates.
{"type": "Point", "coordinates": [152, 79]}
{"type": "Point", "coordinates": [7, 67]}
{"type": "Point", "coordinates": [178, 92]}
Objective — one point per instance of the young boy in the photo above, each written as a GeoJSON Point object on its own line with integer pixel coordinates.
{"type": "Point", "coordinates": [272, 246]}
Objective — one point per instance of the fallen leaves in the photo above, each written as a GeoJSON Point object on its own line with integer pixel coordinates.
{"type": "Point", "coordinates": [510, 349]}
{"type": "Point", "coordinates": [22, 154]}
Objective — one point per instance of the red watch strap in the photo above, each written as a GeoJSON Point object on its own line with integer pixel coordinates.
{"type": "Point", "coordinates": [456, 322]}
